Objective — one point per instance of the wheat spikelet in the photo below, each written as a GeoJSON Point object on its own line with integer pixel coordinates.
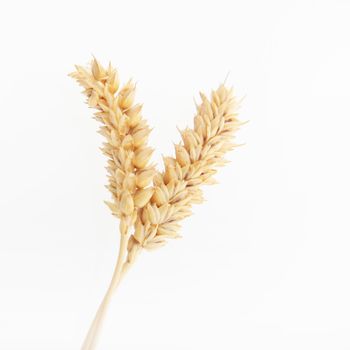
{"type": "Point", "coordinates": [154, 211]}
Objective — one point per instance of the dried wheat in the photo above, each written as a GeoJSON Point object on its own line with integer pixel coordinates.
{"type": "Point", "coordinates": [154, 211]}
{"type": "Point", "coordinates": [129, 173]}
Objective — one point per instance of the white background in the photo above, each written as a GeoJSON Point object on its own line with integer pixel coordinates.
{"type": "Point", "coordinates": [264, 263]}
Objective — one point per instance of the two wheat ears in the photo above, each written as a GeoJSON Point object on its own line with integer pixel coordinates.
{"type": "Point", "coordinates": [148, 203]}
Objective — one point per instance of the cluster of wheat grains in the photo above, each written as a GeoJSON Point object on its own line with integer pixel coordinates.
{"type": "Point", "coordinates": [150, 204]}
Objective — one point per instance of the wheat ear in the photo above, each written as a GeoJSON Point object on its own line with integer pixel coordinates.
{"type": "Point", "coordinates": [153, 211]}
{"type": "Point", "coordinates": [129, 173]}
{"type": "Point", "coordinates": [196, 157]}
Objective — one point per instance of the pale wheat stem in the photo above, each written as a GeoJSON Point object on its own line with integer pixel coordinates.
{"type": "Point", "coordinates": [94, 331]}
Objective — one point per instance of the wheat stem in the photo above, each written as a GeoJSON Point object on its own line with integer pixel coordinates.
{"type": "Point", "coordinates": [94, 331]}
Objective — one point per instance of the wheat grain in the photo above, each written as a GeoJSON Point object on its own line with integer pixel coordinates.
{"type": "Point", "coordinates": [154, 211]}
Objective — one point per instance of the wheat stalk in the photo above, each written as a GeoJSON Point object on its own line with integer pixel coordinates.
{"type": "Point", "coordinates": [152, 211]}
